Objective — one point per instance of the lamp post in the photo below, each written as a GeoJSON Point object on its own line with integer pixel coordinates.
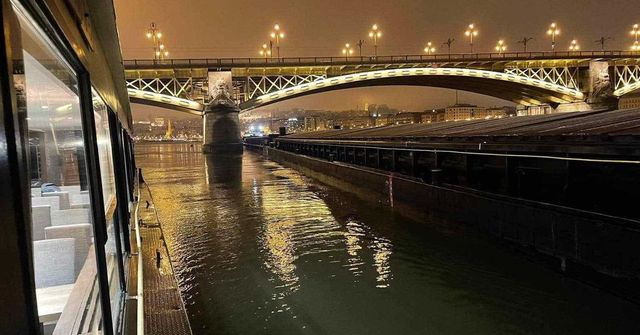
{"type": "Point", "coordinates": [553, 31]}
{"type": "Point", "coordinates": [524, 42]}
{"type": "Point", "coordinates": [159, 50]}
{"type": "Point", "coordinates": [501, 47]}
{"type": "Point", "coordinates": [429, 49]}
{"type": "Point", "coordinates": [265, 51]}
{"type": "Point", "coordinates": [574, 46]}
{"type": "Point", "coordinates": [359, 44]}
{"type": "Point", "coordinates": [347, 51]}
{"type": "Point", "coordinates": [276, 36]}
{"type": "Point", "coordinates": [471, 32]}
{"type": "Point", "coordinates": [448, 43]}
{"type": "Point", "coordinates": [635, 32]}
{"type": "Point", "coordinates": [602, 40]}
{"type": "Point", "coordinates": [375, 34]}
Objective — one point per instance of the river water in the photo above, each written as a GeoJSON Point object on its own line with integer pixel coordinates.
{"type": "Point", "coordinates": [259, 248]}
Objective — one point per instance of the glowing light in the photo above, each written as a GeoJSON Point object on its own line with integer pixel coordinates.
{"type": "Point", "coordinates": [553, 31]}
{"type": "Point", "coordinates": [429, 49]}
{"type": "Point", "coordinates": [501, 46]}
{"type": "Point", "coordinates": [574, 46]}
{"type": "Point", "coordinates": [471, 32]}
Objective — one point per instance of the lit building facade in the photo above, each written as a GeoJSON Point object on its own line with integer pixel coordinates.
{"type": "Point", "coordinates": [460, 112]}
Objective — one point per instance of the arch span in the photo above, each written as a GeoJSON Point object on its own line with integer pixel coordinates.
{"type": "Point", "coordinates": [165, 101]}
{"type": "Point", "coordinates": [519, 89]}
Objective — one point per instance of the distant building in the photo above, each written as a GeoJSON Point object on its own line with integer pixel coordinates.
{"type": "Point", "coordinates": [630, 101]}
{"type": "Point", "coordinates": [406, 118]}
{"type": "Point", "coordinates": [494, 112]}
{"type": "Point", "coordinates": [158, 122]}
{"type": "Point", "coordinates": [433, 115]}
{"type": "Point", "coordinates": [294, 125]}
{"type": "Point", "coordinates": [313, 123]}
{"type": "Point", "coordinates": [461, 112]}
{"type": "Point", "coordinates": [352, 122]}
{"type": "Point", "coordinates": [534, 110]}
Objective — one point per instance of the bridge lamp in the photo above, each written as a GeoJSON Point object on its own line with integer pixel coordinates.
{"type": "Point", "coordinates": [276, 35]}
{"type": "Point", "coordinates": [553, 31]}
{"type": "Point", "coordinates": [574, 46]}
{"type": "Point", "coordinates": [471, 32]}
{"type": "Point", "coordinates": [501, 47]}
{"type": "Point", "coordinates": [265, 51]}
{"type": "Point", "coordinates": [429, 49]}
{"type": "Point", "coordinates": [375, 34]}
{"type": "Point", "coordinates": [347, 51]}
{"type": "Point", "coordinates": [635, 32]}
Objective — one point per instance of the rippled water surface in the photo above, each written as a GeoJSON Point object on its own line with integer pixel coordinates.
{"type": "Point", "coordinates": [261, 249]}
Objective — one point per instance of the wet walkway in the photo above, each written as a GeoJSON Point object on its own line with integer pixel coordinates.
{"type": "Point", "coordinates": [164, 311]}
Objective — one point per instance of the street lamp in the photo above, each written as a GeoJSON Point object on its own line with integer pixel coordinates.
{"type": "Point", "coordinates": [553, 31]}
{"type": "Point", "coordinates": [635, 32]}
{"type": "Point", "coordinates": [265, 51]}
{"type": "Point", "coordinates": [347, 51]}
{"type": "Point", "coordinates": [159, 50]}
{"type": "Point", "coordinates": [375, 34]}
{"type": "Point", "coordinates": [471, 33]}
{"type": "Point", "coordinates": [276, 36]}
{"type": "Point", "coordinates": [574, 46]}
{"type": "Point", "coordinates": [429, 49]}
{"type": "Point", "coordinates": [501, 47]}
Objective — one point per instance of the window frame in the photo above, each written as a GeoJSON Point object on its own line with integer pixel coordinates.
{"type": "Point", "coordinates": [19, 313]}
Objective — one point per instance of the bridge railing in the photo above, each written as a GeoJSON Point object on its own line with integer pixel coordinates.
{"type": "Point", "coordinates": [357, 60]}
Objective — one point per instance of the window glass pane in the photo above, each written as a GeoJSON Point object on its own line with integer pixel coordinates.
{"type": "Point", "coordinates": [101, 116]}
{"type": "Point", "coordinates": [62, 227]}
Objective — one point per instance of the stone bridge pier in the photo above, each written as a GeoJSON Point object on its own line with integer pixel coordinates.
{"type": "Point", "coordinates": [221, 119]}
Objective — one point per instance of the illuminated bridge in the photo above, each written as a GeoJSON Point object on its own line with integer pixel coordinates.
{"type": "Point", "coordinates": [577, 79]}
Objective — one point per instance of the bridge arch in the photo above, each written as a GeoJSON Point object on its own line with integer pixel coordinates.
{"type": "Point", "coordinates": [516, 88]}
{"type": "Point", "coordinates": [165, 101]}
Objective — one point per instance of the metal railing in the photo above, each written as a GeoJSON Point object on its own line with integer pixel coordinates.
{"type": "Point", "coordinates": [357, 60]}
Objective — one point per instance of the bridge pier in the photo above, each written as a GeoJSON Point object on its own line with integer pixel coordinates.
{"type": "Point", "coordinates": [221, 126]}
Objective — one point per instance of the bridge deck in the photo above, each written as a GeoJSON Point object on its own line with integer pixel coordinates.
{"type": "Point", "coordinates": [365, 60]}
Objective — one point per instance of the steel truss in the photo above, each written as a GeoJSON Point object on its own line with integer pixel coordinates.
{"type": "Point", "coordinates": [186, 88]}
{"type": "Point", "coordinates": [626, 75]}
{"type": "Point", "coordinates": [563, 76]}
{"type": "Point", "coordinates": [261, 85]}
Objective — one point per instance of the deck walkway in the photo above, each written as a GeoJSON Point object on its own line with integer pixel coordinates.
{"type": "Point", "coordinates": [164, 310]}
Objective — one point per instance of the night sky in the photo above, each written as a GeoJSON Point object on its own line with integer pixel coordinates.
{"type": "Point", "coordinates": [201, 29]}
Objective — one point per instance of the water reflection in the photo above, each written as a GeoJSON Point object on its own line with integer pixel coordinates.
{"type": "Point", "coordinates": [225, 170]}
{"type": "Point", "coordinates": [259, 248]}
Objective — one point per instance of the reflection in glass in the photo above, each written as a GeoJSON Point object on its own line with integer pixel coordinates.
{"type": "Point", "coordinates": [101, 117]}
{"type": "Point", "coordinates": [62, 227]}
